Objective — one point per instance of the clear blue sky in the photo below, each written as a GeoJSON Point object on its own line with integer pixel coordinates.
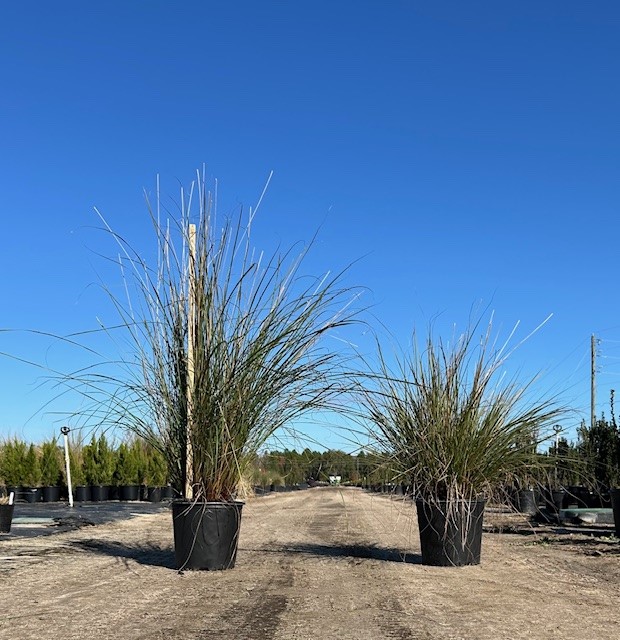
{"type": "Point", "coordinates": [467, 153]}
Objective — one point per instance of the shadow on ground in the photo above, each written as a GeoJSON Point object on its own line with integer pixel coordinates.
{"type": "Point", "coordinates": [157, 556]}
{"type": "Point", "coordinates": [147, 554]}
{"type": "Point", "coordinates": [362, 552]}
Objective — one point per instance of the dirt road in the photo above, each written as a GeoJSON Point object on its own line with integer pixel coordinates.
{"type": "Point", "coordinates": [322, 563]}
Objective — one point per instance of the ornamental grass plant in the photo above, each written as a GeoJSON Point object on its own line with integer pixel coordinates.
{"type": "Point", "coordinates": [446, 419]}
{"type": "Point", "coordinates": [222, 345]}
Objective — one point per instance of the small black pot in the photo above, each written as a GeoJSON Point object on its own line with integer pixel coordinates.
{"type": "Point", "coordinates": [6, 517]}
{"type": "Point", "coordinates": [525, 502]}
{"type": "Point", "coordinates": [51, 494]}
{"type": "Point", "coordinates": [129, 492]}
{"type": "Point", "coordinates": [99, 492]}
{"type": "Point", "coordinates": [454, 540]}
{"type": "Point", "coordinates": [167, 492]}
{"type": "Point", "coordinates": [32, 494]}
{"type": "Point", "coordinates": [206, 534]}
{"type": "Point", "coordinates": [615, 505]}
{"type": "Point", "coordinates": [558, 498]}
{"type": "Point", "coordinates": [81, 493]}
{"type": "Point", "coordinates": [153, 494]}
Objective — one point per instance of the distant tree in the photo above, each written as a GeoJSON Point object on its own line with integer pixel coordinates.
{"type": "Point", "coordinates": [127, 470]}
{"type": "Point", "coordinates": [156, 468]}
{"type": "Point", "coordinates": [566, 465]}
{"type": "Point", "coordinates": [98, 461]}
{"type": "Point", "coordinates": [51, 466]}
{"type": "Point", "coordinates": [599, 447]}
{"type": "Point", "coordinates": [13, 462]}
{"type": "Point", "coordinates": [32, 471]}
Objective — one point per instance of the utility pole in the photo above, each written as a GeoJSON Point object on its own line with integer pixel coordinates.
{"type": "Point", "coordinates": [593, 382]}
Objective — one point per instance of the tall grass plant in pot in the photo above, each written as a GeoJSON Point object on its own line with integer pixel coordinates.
{"type": "Point", "coordinates": [449, 423]}
{"type": "Point", "coordinates": [226, 347]}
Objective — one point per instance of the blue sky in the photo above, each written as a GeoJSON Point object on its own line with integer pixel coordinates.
{"type": "Point", "coordinates": [460, 154]}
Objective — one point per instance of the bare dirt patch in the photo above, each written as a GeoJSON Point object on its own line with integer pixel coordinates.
{"type": "Point", "coordinates": [326, 562]}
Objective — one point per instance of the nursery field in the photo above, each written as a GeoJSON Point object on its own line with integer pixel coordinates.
{"type": "Point", "coordinates": [323, 563]}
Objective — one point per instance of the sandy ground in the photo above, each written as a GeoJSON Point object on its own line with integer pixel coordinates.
{"type": "Point", "coordinates": [323, 563]}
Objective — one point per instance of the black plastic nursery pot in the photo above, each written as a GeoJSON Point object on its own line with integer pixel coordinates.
{"type": "Point", "coordinates": [51, 494]}
{"type": "Point", "coordinates": [453, 540]}
{"type": "Point", "coordinates": [206, 534]}
{"type": "Point", "coordinates": [81, 493]}
{"type": "Point", "coordinates": [129, 492]}
{"type": "Point", "coordinates": [99, 492]}
{"type": "Point", "coordinates": [558, 497]}
{"type": "Point", "coordinates": [32, 494]}
{"type": "Point", "coordinates": [6, 517]}
{"type": "Point", "coordinates": [615, 505]}
{"type": "Point", "coordinates": [525, 501]}
{"type": "Point", "coordinates": [153, 494]}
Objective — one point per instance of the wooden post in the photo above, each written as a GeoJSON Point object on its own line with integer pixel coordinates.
{"type": "Point", "coordinates": [191, 326]}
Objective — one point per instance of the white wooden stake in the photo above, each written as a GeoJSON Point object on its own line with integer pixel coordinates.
{"type": "Point", "coordinates": [191, 325]}
{"type": "Point", "coordinates": [65, 433]}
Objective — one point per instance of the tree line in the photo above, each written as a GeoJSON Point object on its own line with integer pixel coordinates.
{"type": "Point", "coordinates": [593, 461]}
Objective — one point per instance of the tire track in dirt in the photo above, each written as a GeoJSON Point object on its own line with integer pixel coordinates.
{"type": "Point", "coordinates": [336, 569]}
{"type": "Point", "coordinates": [392, 627]}
{"type": "Point", "coordinates": [256, 618]}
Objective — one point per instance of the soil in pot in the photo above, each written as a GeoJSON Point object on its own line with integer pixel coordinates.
{"type": "Point", "coordinates": [206, 534]}
{"type": "Point", "coordinates": [6, 517]}
{"type": "Point", "coordinates": [454, 540]}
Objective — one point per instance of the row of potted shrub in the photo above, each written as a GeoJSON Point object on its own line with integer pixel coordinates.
{"type": "Point", "coordinates": [99, 470]}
